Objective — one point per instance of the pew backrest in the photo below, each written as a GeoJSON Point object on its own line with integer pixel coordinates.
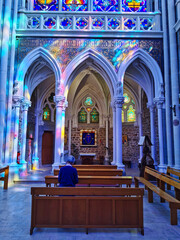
{"type": "Point", "coordinates": [94, 180]}
{"type": "Point", "coordinates": [94, 166]}
{"type": "Point", "coordinates": [96, 172]}
{"type": "Point", "coordinates": [5, 170]}
{"type": "Point", "coordinates": [95, 207]}
{"type": "Point", "coordinates": [173, 171]}
{"type": "Point", "coordinates": [162, 177]}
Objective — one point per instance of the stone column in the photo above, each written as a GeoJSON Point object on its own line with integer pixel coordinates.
{"type": "Point", "coordinates": [107, 143]}
{"type": "Point", "coordinates": [16, 104]}
{"type": "Point", "coordinates": [8, 150]}
{"type": "Point", "coordinates": [139, 114]}
{"type": "Point", "coordinates": [159, 103]}
{"type": "Point", "coordinates": [69, 137]}
{"type": "Point", "coordinates": [153, 132]}
{"type": "Point", "coordinates": [174, 82]}
{"type": "Point", "coordinates": [169, 130]}
{"type": "Point", "coordinates": [3, 72]}
{"type": "Point", "coordinates": [61, 104]}
{"type": "Point", "coordinates": [156, 5]}
{"type": "Point", "coordinates": [114, 133]}
{"type": "Point", "coordinates": [25, 105]}
{"type": "Point", "coordinates": [35, 159]}
{"type": "Point", "coordinates": [119, 103]}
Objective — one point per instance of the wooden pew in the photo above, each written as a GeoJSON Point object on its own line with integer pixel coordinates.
{"type": "Point", "coordinates": [5, 170]}
{"type": "Point", "coordinates": [94, 180]}
{"type": "Point", "coordinates": [93, 166]}
{"type": "Point", "coordinates": [172, 171]}
{"type": "Point", "coordinates": [162, 178]}
{"type": "Point", "coordinates": [84, 207]}
{"type": "Point", "coordinates": [95, 172]}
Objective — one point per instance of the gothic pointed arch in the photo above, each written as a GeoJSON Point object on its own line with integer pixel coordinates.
{"type": "Point", "coordinates": [154, 86]}
{"type": "Point", "coordinates": [28, 61]}
{"type": "Point", "coordinates": [91, 58]}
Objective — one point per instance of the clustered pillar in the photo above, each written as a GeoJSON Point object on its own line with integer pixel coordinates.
{"type": "Point", "coordinates": [61, 105]}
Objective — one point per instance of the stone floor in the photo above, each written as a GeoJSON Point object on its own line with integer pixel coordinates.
{"type": "Point", "coordinates": [15, 216]}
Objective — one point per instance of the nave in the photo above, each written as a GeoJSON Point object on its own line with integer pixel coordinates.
{"type": "Point", "coordinates": [15, 216]}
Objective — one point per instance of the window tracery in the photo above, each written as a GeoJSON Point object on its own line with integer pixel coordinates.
{"type": "Point", "coordinates": [88, 111]}
{"type": "Point", "coordinates": [49, 110]}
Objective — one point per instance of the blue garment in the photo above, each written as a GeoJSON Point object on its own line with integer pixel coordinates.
{"type": "Point", "coordinates": [68, 176]}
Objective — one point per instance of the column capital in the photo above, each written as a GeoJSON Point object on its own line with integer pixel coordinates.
{"type": "Point", "coordinates": [26, 104]}
{"type": "Point", "coordinates": [119, 102]}
{"type": "Point", "coordinates": [61, 102]}
{"type": "Point", "coordinates": [159, 102]}
{"type": "Point", "coordinates": [17, 101]}
{"type": "Point", "coordinates": [151, 106]}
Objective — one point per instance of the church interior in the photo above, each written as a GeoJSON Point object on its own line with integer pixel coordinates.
{"type": "Point", "coordinates": [98, 80]}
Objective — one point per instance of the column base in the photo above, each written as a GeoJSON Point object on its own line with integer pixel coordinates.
{"type": "Point", "coordinates": [162, 168]}
{"type": "Point", "coordinates": [35, 161]}
{"type": "Point", "coordinates": [177, 167]}
{"type": "Point", "coordinates": [55, 166]}
{"type": "Point", "coordinates": [14, 164]}
{"type": "Point", "coordinates": [113, 163]}
{"type": "Point", "coordinates": [122, 166]}
{"type": "Point", "coordinates": [106, 160]}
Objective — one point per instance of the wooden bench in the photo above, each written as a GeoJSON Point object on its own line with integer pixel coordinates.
{"type": "Point", "coordinates": [5, 170]}
{"type": "Point", "coordinates": [94, 180]}
{"type": "Point", "coordinates": [174, 203]}
{"type": "Point", "coordinates": [75, 207]}
{"type": "Point", "coordinates": [95, 172]}
{"type": "Point", "coordinates": [93, 166]}
{"type": "Point", "coordinates": [172, 171]}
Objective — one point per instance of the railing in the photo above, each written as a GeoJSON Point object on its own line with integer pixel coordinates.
{"type": "Point", "coordinates": [88, 21]}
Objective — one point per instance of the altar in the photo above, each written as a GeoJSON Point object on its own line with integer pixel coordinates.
{"type": "Point", "coordinates": [87, 158]}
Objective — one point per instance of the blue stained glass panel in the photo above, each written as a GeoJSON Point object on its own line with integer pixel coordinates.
{"type": "Point", "coordinates": [66, 23]}
{"type": "Point", "coordinates": [74, 5]}
{"type": "Point", "coordinates": [46, 5]}
{"type": "Point", "coordinates": [50, 23]}
{"type": "Point", "coordinates": [98, 23]}
{"type": "Point", "coordinates": [134, 6]}
{"type": "Point", "coordinates": [130, 24]}
{"type": "Point", "coordinates": [113, 23]}
{"type": "Point", "coordinates": [105, 5]}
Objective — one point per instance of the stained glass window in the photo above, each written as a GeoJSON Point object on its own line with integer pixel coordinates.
{"type": "Point", "coordinates": [105, 5]}
{"type": "Point", "coordinates": [134, 6]}
{"type": "Point", "coordinates": [88, 102]}
{"type": "Point", "coordinates": [46, 5]}
{"type": "Point", "coordinates": [126, 98]}
{"type": "Point", "coordinates": [122, 116]}
{"type": "Point", "coordinates": [128, 112]}
{"type": "Point", "coordinates": [46, 113]}
{"type": "Point", "coordinates": [131, 117]}
{"type": "Point", "coordinates": [74, 5]}
{"type": "Point", "coordinates": [94, 116]}
{"type": "Point", "coordinates": [82, 116]}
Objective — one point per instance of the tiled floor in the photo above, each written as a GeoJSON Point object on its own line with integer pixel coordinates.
{"type": "Point", "coordinates": [15, 217]}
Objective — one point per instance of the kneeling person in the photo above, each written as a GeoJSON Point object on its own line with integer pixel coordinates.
{"type": "Point", "coordinates": [68, 176]}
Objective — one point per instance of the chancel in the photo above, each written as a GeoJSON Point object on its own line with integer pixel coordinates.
{"type": "Point", "coordinates": [99, 81]}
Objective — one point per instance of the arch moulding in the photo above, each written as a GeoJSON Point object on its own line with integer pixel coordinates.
{"type": "Point", "coordinates": [92, 59]}
{"type": "Point", "coordinates": [151, 64]}
{"type": "Point", "coordinates": [26, 63]}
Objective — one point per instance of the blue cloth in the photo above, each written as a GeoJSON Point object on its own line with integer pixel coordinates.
{"type": "Point", "coordinates": [68, 176]}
